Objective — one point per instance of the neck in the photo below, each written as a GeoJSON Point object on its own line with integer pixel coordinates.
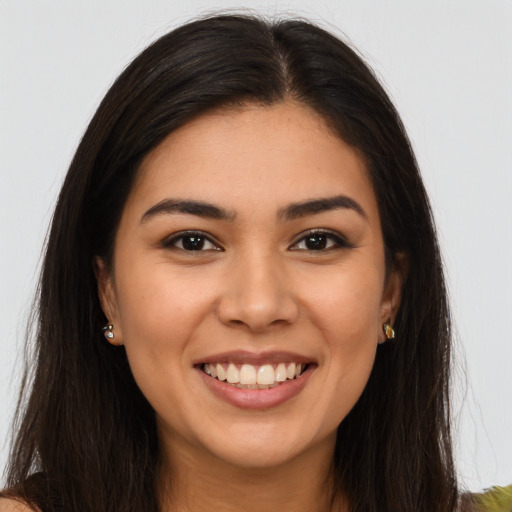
{"type": "Point", "coordinates": [193, 481]}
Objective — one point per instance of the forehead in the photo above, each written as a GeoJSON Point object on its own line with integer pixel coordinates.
{"type": "Point", "coordinates": [253, 155]}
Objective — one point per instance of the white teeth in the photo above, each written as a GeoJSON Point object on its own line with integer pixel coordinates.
{"type": "Point", "coordinates": [221, 373]}
{"type": "Point", "coordinates": [254, 377]}
{"type": "Point", "coordinates": [233, 375]}
{"type": "Point", "coordinates": [280, 372]}
{"type": "Point", "coordinates": [248, 374]}
{"type": "Point", "coordinates": [266, 375]}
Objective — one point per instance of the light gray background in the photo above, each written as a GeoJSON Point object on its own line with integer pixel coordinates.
{"type": "Point", "coordinates": [448, 67]}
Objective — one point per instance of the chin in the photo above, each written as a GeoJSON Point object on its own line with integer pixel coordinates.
{"type": "Point", "coordinates": [263, 447]}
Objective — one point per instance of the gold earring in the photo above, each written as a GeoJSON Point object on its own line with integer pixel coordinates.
{"type": "Point", "coordinates": [388, 331]}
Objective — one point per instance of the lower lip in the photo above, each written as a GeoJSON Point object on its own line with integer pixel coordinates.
{"type": "Point", "coordinates": [257, 398]}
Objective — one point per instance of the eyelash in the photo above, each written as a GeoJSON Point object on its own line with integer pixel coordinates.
{"type": "Point", "coordinates": [172, 243]}
{"type": "Point", "coordinates": [330, 241]}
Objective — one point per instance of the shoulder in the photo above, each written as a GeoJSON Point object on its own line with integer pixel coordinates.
{"type": "Point", "coordinates": [496, 499]}
{"type": "Point", "coordinates": [12, 505]}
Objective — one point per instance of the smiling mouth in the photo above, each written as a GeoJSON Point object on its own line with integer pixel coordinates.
{"type": "Point", "coordinates": [248, 376]}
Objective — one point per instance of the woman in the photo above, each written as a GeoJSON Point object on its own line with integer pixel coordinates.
{"type": "Point", "coordinates": [240, 235]}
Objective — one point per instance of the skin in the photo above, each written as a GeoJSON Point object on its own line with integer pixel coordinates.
{"type": "Point", "coordinates": [258, 286]}
{"type": "Point", "coordinates": [11, 505]}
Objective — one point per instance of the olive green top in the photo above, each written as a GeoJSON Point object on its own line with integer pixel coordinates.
{"type": "Point", "coordinates": [496, 499]}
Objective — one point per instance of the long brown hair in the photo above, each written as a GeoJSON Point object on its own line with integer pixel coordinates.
{"type": "Point", "coordinates": [86, 437]}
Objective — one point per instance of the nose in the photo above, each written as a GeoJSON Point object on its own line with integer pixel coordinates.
{"type": "Point", "coordinates": [259, 295]}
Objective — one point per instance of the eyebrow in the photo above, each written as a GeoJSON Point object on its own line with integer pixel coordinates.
{"type": "Point", "coordinates": [190, 207]}
{"type": "Point", "coordinates": [315, 206]}
{"type": "Point", "coordinates": [290, 212]}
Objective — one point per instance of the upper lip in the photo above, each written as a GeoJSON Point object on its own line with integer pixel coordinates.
{"type": "Point", "coordinates": [261, 358]}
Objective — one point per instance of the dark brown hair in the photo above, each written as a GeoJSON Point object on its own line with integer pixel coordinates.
{"type": "Point", "coordinates": [86, 437]}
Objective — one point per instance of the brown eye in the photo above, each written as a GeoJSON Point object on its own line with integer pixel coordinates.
{"type": "Point", "coordinates": [316, 242]}
{"type": "Point", "coordinates": [191, 242]}
{"type": "Point", "coordinates": [320, 241]}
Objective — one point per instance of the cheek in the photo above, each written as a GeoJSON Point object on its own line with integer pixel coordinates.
{"type": "Point", "coordinates": [159, 315]}
{"type": "Point", "coordinates": [156, 302]}
{"type": "Point", "coordinates": [353, 338]}
{"type": "Point", "coordinates": [158, 327]}
{"type": "Point", "coordinates": [346, 306]}
{"type": "Point", "coordinates": [347, 312]}
{"type": "Point", "coordinates": [352, 349]}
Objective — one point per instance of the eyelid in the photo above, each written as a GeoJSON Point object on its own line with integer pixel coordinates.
{"type": "Point", "coordinates": [341, 240]}
{"type": "Point", "coordinates": [169, 241]}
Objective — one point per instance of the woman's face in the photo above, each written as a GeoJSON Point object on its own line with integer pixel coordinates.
{"type": "Point", "coordinates": [250, 249]}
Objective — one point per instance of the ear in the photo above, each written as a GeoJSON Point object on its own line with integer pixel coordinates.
{"type": "Point", "coordinates": [392, 294]}
{"type": "Point", "coordinates": [107, 297]}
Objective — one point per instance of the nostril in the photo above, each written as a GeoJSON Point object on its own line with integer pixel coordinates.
{"type": "Point", "coordinates": [279, 321]}
{"type": "Point", "coordinates": [236, 323]}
